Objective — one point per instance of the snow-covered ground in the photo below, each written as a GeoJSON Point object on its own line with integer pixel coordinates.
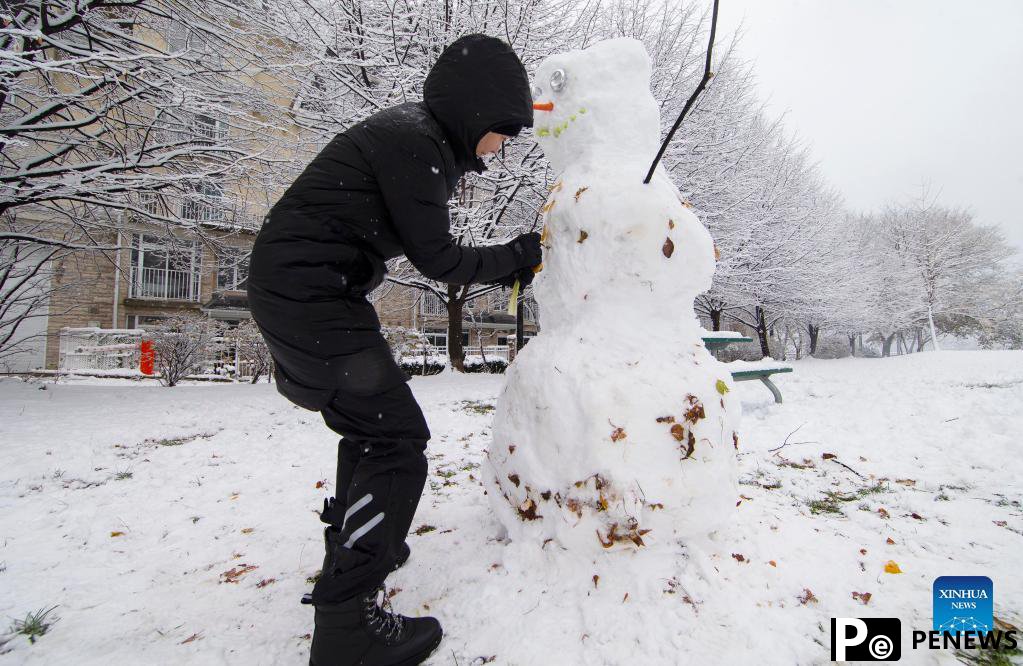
{"type": "Point", "coordinates": [179, 526]}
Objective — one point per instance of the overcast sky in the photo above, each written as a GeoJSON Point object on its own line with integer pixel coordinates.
{"type": "Point", "coordinates": [894, 93]}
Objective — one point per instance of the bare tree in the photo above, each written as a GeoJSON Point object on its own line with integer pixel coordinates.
{"type": "Point", "coordinates": [116, 112]}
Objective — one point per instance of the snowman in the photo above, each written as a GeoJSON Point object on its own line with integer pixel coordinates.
{"type": "Point", "coordinates": [616, 428]}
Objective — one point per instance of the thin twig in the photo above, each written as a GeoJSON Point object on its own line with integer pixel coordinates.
{"type": "Point", "coordinates": [707, 74]}
{"type": "Point", "coordinates": [786, 441]}
{"type": "Point", "coordinates": [836, 460]}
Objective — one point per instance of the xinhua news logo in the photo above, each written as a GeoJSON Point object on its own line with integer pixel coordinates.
{"type": "Point", "coordinates": [963, 603]}
{"type": "Point", "coordinates": [964, 617]}
{"type": "Point", "coordinates": [866, 639]}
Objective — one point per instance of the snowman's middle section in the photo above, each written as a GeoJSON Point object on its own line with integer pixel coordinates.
{"type": "Point", "coordinates": [614, 425]}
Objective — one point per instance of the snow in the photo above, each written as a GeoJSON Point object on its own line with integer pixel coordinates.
{"type": "Point", "coordinates": [616, 429]}
{"type": "Point", "coordinates": [748, 366]}
{"type": "Point", "coordinates": [937, 431]}
{"type": "Point", "coordinates": [723, 335]}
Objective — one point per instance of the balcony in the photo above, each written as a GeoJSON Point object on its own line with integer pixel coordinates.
{"type": "Point", "coordinates": [164, 284]}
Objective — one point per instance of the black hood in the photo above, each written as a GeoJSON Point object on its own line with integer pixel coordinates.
{"type": "Point", "coordinates": [476, 85]}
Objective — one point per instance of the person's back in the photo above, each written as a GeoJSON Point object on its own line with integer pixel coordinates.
{"type": "Point", "coordinates": [376, 191]}
{"type": "Point", "coordinates": [340, 191]}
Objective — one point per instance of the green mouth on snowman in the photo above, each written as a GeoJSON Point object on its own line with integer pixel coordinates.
{"type": "Point", "coordinates": [556, 130]}
{"type": "Point", "coordinates": [558, 81]}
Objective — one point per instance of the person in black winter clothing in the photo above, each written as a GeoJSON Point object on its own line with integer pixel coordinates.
{"type": "Point", "coordinates": [376, 191]}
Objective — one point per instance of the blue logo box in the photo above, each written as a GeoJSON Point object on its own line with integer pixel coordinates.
{"type": "Point", "coordinates": [963, 603]}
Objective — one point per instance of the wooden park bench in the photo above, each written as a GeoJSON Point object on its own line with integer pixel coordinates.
{"type": "Point", "coordinates": [744, 370]}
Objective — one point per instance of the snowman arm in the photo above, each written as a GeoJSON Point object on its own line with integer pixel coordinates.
{"type": "Point", "coordinates": [415, 193]}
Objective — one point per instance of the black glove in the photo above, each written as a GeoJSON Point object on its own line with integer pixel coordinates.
{"type": "Point", "coordinates": [527, 250]}
{"type": "Point", "coordinates": [523, 275]}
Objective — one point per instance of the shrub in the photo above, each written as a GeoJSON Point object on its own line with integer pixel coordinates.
{"type": "Point", "coordinates": [182, 343]}
{"type": "Point", "coordinates": [417, 368]}
{"type": "Point", "coordinates": [253, 353]}
{"type": "Point", "coordinates": [493, 366]}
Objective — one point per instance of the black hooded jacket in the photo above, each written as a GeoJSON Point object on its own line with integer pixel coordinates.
{"type": "Point", "coordinates": [376, 191]}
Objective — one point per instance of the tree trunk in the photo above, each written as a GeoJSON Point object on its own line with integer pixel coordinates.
{"type": "Point", "coordinates": [765, 347]}
{"type": "Point", "coordinates": [456, 354]}
{"type": "Point", "coordinates": [886, 348]}
{"type": "Point", "coordinates": [715, 319]}
{"type": "Point", "coordinates": [814, 331]}
{"type": "Point", "coordinates": [934, 334]}
{"type": "Point", "coordinates": [852, 345]}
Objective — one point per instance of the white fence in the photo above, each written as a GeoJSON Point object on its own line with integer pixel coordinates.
{"type": "Point", "coordinates": [491, 352]}
{"type": "Point", "coordinates": [117, 352]}
{"type": "Point", "coordinates": [99, 349]}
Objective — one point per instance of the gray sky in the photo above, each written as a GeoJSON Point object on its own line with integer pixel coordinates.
{"type": "Point", "coordinates": [891, 94]}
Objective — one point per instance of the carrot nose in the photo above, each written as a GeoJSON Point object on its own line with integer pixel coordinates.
{"type": "Point", "coordinates": [543, 106]}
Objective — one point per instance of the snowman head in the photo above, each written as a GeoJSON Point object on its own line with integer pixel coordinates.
{"type": "Point", "coordinates": [595, 104]}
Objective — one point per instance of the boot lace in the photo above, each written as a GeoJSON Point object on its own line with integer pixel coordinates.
{"type": "Point", "coordinates": [380, 618]}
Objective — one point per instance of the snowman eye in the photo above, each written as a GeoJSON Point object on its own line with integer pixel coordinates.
{"type": "Point", "coordinates": [558, 80]}
{"type": "Point", "coordinates": [537, 93]}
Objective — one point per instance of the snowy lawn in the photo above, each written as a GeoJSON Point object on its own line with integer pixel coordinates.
{"type": "Point", "coordinates": [179, 526]}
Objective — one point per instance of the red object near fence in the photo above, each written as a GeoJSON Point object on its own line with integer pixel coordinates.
{"type": "Point", "coordinates": [147, 358]}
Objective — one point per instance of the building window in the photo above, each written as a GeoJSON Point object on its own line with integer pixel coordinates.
{"type": "Point", "coordinates": [150, 202]}
{"type": "Point", "coordinates": [502, 341]}
{"type": "Point", "coordinates": [313, 96]}
{"type": "Point", "coordinates": [437, 339]}
{"type": "Point", "coordinates": [232, 269]}
{"type": "Point", "coordinates": [208, 128]}
{"type": "Point", "coordinates": [431, 304]}
{"type": "Point", "coordinates": [164, 269]}
{"type": "Point", "coordinates": [204, 202]}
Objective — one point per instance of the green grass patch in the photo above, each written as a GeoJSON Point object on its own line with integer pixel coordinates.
{"type": "Point", "coordinates": [35, 624]}
{"type": "Point", "coordinates": [832, 501]}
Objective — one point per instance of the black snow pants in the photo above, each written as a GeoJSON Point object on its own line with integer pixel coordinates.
{"type": "Point", "coordinates": [331, 357]}
{"type": "Point", "coordinates": [381, 470]}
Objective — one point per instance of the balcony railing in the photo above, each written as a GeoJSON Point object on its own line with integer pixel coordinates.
{"type": "Point", "coordinates": [165, 284]}
{"type": "Point", "coordinates": [203, 211]}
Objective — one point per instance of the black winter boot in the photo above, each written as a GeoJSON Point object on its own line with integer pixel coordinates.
{"type": "Point", "coordinates": [403, 554]}
{"type": "Point", "coordinates": [359, 632]}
